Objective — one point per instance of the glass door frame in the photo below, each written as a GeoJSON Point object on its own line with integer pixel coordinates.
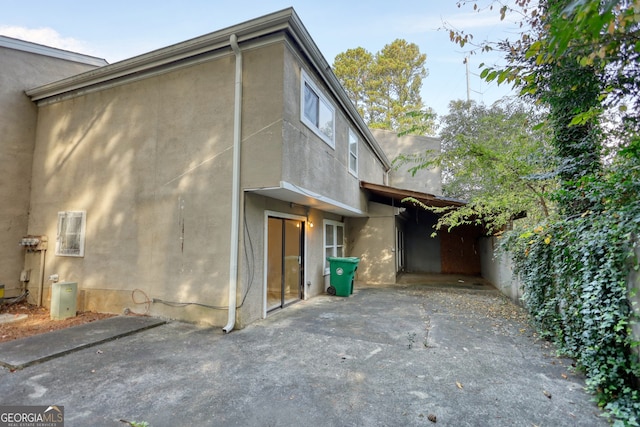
{"type": "Point", "coordinates": [303, 264]}
{"type": "Point", "coordinates": [400, 249]}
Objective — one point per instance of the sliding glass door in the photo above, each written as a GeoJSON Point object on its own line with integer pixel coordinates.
{"type": "Point", "coordinates": [284, 262]}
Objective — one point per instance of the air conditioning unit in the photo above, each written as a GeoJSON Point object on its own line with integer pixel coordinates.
{"type": "Point", "coordinates": [63, 300]}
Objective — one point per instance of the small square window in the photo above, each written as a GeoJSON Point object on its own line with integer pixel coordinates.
{"type": "Point", "coordinates": [71, 233]}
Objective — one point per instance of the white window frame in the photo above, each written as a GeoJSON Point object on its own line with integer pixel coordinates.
{"type": "Point", "coordinates": [64, 236]}
{"type": "Point", "coordinates": [332, 243]}
{"type": "Point", "coordinates": [324, 105]}
{"type": "Point", "coordinates": [353, 152]}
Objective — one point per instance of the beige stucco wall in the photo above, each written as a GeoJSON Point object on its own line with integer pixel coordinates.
{"type": "Point", "coordinates": [277, 146]}
{"type": "Point", "coordinates": [150, 163]}
{"type": "Point", "coordinates": [309, 162]}
{"type": "Point", "coordinates": [425, 180]}
{"type": "Point", "coordinates": [372, 239]}
{"type": "Point", "coordinates": [262, 111]}
{"type": "Point", "coordinates": [20, 71]}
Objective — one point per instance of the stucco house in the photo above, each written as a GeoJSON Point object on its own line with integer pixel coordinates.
{"type": "Point", "coordinates": [208, 181]}
{"type": "Point", "coordinates": [23, 65]}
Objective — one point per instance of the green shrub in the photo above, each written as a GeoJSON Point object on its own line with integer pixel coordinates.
{"type": "Point", "coordinates": [575, 274]}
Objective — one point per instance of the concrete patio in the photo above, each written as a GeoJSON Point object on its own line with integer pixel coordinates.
{"type": "Point", "coordinates": [455, 352]}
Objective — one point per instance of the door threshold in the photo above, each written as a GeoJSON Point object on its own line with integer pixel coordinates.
{"type": "Point", "coordinates": [286, 304]}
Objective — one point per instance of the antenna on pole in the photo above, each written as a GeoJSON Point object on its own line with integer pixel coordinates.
{"type": "Point", "coordinates": [466, 62]}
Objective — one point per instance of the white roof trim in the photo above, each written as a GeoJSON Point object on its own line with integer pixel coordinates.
{"type": "Point", "coordinates": [53, 52]}
{"type": "Point", "coordinates": [168, 55]}
{"type": "Point", "coordinates": [292, 193]}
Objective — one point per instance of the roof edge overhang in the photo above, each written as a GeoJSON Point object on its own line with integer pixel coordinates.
{"type": "Point", "coordinates": [399, 195]}
{"type": "Point", "coordinates": [194, 47]}
{"type": "Point", "coordinates": [288, 192]}
{"type": "Point", "coordinates": [53, 52]}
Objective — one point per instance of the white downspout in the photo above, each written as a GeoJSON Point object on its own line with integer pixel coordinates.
{"type": "Point", "coordinates": [235, 191]}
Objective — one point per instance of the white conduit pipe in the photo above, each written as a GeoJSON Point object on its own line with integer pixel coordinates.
{"type": "Point", "coordinates": [235, 195]}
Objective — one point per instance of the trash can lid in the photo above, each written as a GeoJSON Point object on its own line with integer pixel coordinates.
{"type": "Point", "coordinates": [353, 260]}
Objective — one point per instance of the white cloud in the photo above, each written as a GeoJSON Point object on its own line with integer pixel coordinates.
{"type": "Point", "coordinates": [466, 21]}
{"type": "Point", "coordinates": [46, 36]}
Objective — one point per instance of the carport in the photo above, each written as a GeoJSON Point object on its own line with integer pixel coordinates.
{"type": "Point", "coordinates": [416, 251]}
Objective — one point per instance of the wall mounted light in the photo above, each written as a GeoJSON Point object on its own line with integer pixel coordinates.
{"type": "Point", "coordinates": [308, 220]}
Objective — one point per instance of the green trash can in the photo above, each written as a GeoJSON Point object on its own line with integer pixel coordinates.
{"type": "Point", "coordinates": [343, 271]}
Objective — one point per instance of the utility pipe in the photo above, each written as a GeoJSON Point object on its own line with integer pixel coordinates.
{"type": "Point", "coordinates": [42, 247]}
{"type": "Point", "coordinates": [41, 278]}
{"type": "Point", "coordinates": [235, 190]}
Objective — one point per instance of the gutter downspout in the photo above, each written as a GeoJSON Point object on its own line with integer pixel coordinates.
{"type": "Point", "coordinates": [235, 191]}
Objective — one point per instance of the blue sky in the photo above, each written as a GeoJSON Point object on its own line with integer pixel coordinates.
{"type": "Point", "coordinates": [117, 30]}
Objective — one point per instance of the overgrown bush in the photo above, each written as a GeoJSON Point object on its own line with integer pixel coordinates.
{"type": "Point", "coordinates": [575, 272]}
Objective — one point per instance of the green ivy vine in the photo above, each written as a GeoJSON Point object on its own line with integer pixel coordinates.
{"type": "Point", "coordinates": [575, 272]}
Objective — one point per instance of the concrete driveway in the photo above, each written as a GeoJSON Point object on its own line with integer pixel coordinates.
{"type": "Point", "coordinates": [456, 353]}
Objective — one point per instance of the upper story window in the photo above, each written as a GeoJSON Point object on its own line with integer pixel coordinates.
{"type": "Point", "coordinates": [316, 111]}
{"type": "Point", "coordinates": [353, 153]}
{"type": "Point", "coordinates": [70, 235]}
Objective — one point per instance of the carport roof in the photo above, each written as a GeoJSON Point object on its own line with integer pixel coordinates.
{"type": "Point", "coordinates": [385, 193]}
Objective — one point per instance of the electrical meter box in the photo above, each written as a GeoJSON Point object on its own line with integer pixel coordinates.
{"type": "Point", "coordinates": [63, 300]}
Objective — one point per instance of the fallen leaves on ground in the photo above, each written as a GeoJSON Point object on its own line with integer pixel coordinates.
{"type": "Point", "coordinates": [38, 321]}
